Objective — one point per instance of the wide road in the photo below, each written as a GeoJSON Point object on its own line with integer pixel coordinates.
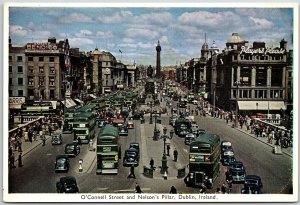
{"type": "Point", "coordinates": [38, 176]}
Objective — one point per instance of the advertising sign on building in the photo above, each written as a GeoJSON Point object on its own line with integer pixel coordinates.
{"type": "Point", "coordinates": [16, 102]}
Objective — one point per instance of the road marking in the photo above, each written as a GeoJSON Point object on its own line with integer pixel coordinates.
{"type": "Point", "coordinates": [185, 150]}
{"type": "Point", "coordinates": [101, 189]}
{"type": "Point", "coordinates": [49, 154]}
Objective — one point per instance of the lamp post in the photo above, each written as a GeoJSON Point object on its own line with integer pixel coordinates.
{"type": "Point", "coordinates": [151, 120]}
{"type": "Point", "coordinates": [164, 161]}
{"type": "Point", "coordinates": [156, 131]}
{"type": "Point", "coordinates": [237, 83]}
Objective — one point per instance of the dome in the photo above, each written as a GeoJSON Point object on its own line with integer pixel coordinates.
{"type": "Point", "coordinates": [235, 38]}
{"type": "Point", "coordinates": [96, 52]}
{"type": "Point", "coordinates": [214, 46]}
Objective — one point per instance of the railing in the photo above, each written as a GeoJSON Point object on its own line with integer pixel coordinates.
{"type": "Point", "coordinates": [257, 120]}
{"type": "Point", "coordinates": [12, 131]}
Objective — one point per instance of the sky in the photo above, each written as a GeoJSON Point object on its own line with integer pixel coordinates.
{"type": "Point", "coordinates": [135, 31]}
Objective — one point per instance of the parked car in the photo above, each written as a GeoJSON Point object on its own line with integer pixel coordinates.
{"type": "Point", "coordinates": [123, 130]}
{"type": "Point", "coordinates": [62, 163]}
{"type": "Point", "coordinates": [72, 149]}
{"type": "Point", "coordinates": [252, 185]}
{"type": "Point", "coordinates": [227, 156]}
{"type": "Point", "coordinates": [130, 125]}
{"type": "Point", "coordinates": [67, 184]}
{"type": "Point", "coordinates": [225, 145]}
{"type": "Point", "coordinates": [236, 172]}
{"type": "Point", "coordinates": [67, 128]}
{"type": "Point", "coordinates": [56, 139]}
{"type": "Point", "coordinates": [131, 157]}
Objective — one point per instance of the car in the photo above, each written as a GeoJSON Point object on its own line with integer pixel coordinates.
{"type": "Point", "coordinates": [123, 130]}
{"type": "Point", "coordinates": [135, 145]}
{"type": "Point", "coordinates": [189, 138]}
{"type": "Point", "coordinates": [225, 145]}
{"type": "Point", "coordinates": [101, 123]}
{"type": "Point", "coordinates": [67, 184]}
{"type": "Point", "coordinates": [172, 121]}
{"type": "Point", "coordinates": [237, 176]}
{"type": "Point", "coordinates": [56, 139]}
{"type": "Point", "coordinates": [131, 157]}
{"type": "Point", "coordinates": [72, 149]}
{"type": "Point", "coordinates": [137, 116]}
{"type": "Point", "coordinates": [62, 163]}
{"type": "Point", "coordinates": [227, 156]}
{"type": "Point", "coordinates": [67, 129]}
{"type": "Point", "coordinates": [130, 125]}
{"type": "Point", "coordinates": [200, 131]}
{"type": "Point", "coordinates": [194, 102]}
{"type": "Point", "coordinates": [252, 185]}
{"type": "Point", "coordinates": [236, 165]}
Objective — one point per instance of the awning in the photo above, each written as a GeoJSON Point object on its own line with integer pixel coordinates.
{"type": "Point", "coordinates": [79, 101]}
{"type": "Point", "coordinates": [261, 105]}
{"type": "Point", "coordinates": [107, 90]}
{"type": "Point", "coordinates": [54, 103]}
{"type": "Point", "coordinates": [69, 103]}
{"type": "Point", "coordinates": [93, 96]}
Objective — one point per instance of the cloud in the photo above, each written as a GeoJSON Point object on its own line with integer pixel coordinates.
{"type": "Point", "coordinates": [117, 17]}
{"type": "Point", "coordinates": [209, 19]}
{"type": "Point", "coordinates": [142, 33]}
{"type": "Point", "coordinates": [78, 42]}
{"type": "Point", "coordinates": [16, 30]}
{"type": "Point", "coordinates": [75, 18]}
{"type": "Point", "coordinates": [162, 18]}
{"type": "Point", "coordinates": [260, 23]}
{"type": "Point", "coordinates": [84, 33]}
{"type": "Point", "coordinates": [104, 35]}
{"type": "Point", "coordinates": [128, 40]}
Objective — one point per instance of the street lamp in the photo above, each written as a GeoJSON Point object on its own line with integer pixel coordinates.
{"type": "Point", "coordinates": [237, 83]}
{"type": "Point", "coordinates": [164, 161]}
{"type": "Point", "coordinates": [156, 131]}
{"type": "Point", "coordinates": [151, 121]}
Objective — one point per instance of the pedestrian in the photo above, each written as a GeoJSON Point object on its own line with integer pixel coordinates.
{"type": "Point", "coordinates": [175, 153]}
{"type": "Point", "coordinates": [202, 188]}
{"type": "Point", "coordinates": [152, 163]}
{"type": "Point", "coordinates": [10, 151]}
{"type": "Point", "coordinates": [75, 136]}
{"type": "Point", "coordinates": [168, 150]}
{"type": "Point", "coordinates": [44, 140]}
{"type": "Point", "coordinates": [20, 160]}
{"type": "Point", "coordinates": [78, 140]}
{"type": "Point", "coordinates": [173, 190]}
{"type": "Point", "coordinates": [223, 188]}
{"type": "Point", "coordinates": [131, 174]}
{"type": "Point", "coordinates": [138, 189]}
{"type": "Point", "coordinates": [12, 161]}
{"type": "Point", "coordinates": [19, 145]}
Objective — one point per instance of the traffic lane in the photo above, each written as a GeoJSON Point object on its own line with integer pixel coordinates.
{"type": "Point", "coordinates": [275, 170]}
{"type": "Point", "coordinates": [38, 173]}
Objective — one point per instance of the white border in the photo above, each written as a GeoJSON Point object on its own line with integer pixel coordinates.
{"type": "Point", "coordinates": [220, 198]}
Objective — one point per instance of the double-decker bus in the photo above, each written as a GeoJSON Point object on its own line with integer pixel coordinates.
{"type": "Point", "coordinates": [84, 126]}
{"type": "Point", "coordinates": [35, 109]}
{"type": "Point", "coordinates": [108, 150]}
{"type": "Point", "coordinates": [204, 160]}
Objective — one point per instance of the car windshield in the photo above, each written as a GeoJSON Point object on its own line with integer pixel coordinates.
{"type": "Point", "coordinates": [251, 182]}
{"type": "Point", "coordinates": [237, 173]}
{"type": "Point", "coordinates": [61, 161]}
{"type": "Point", "coordinates": [130, 154]}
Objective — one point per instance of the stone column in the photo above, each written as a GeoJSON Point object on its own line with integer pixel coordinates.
{"type": "Point", "coordinates": [132, 79]}
{"type": "Point", "coordinates": [283, 76]}
{"type": "Point", "coordinates": [238, 73]}
{"type": "Point", "coordinates": [253, 81]}
{"type": "Point", "coordinates": [269, 76]}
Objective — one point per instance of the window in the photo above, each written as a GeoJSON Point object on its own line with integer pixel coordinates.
{"type": "Point", "coordinates": [10, 81]}
{"type": "Point", "coordinates": [234, 93]}
{"type": "Point", "coordinates": [52, 70]}
{"type": "Point", "coordinates": [20, 92]}
{"type": "Point", "coordinates": [19, 58]}
{"type": "Point", "coordinates": [10, 58]}
{"type": "Point", "coordinates": [30, 58]}
{"type": "Point", "coordinates": [10, 93]}
{"type": "Point", "coordinates": [260, 93]}
{"type": "Point", "coordinates": [52, 94]}
{"type": "Point", "coordinates": [41, 69]}
{"type": "Point", "coordinates": [10, 69]}
{"type": "Point", "coordinates": [20, 69]}
{"type": "Point", "coordinates": [245, 76]}
{"type": "Point", "coordinates": [51, 59]}
{"type": "Point", "coordinates": [41, 59]}
{"type": "Point", "coordinates": [235, 57]}
{"type": "Point", "coordinates": [51, 81]}
{"type": "Point", "coordinates": [20, 81]}
{"type": "Point", "coordinates": [30, 81]}
{"type": "Point", "coordinates": [261, 76]}
{"type": "Point", "coordinates": [290, 74]}
{"type": "Point", "coordinates": [262, 57]}
{"type": "Point", "coordinates": [276, 77]}
{"type": "Point", "coordinates": [276, 93]}
{"type": "Point", "coordinates": [30, 69]}
{"type": "Point", "coordinates": [41, 81]}
{"type": "Point", "coordinates": [30, 92]}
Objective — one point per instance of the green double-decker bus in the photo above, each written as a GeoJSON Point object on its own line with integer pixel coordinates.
{"type": "Point", "coordinates": [204, 160]}
{"type": "Point", "coordinates": [84, 126]}
{"type": "Point", "coordinates": [108, 150]}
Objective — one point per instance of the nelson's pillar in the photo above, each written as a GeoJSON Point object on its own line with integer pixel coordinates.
{"type": "Point", "coordinates": [158, 49]}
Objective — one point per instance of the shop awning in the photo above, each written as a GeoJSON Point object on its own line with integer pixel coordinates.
{"type": "Point", "coordinates": [69, 103]}
{"type": "Point", "coordinates": [79, 101]}
{"type": "Point", "coordinates": [261, 105]}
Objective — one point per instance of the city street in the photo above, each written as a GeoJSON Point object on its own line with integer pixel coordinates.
{"type": "Point", "coordinates": [38, 175]}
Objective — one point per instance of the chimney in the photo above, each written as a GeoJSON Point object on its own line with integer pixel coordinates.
{"type": "Point", "coordinates": [52, 40]}
{"type": "Point", "coordinates": [9, 42]}
{"type": "Point", "coordinates": [283, 44]}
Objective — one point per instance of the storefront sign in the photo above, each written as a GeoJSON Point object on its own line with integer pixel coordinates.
{"type": "Point", "coordinates": [16, 102]}
{"type": "Point", "coordinates": [41, 47]}
{"type": "Point", "coordinates": [245, 49]}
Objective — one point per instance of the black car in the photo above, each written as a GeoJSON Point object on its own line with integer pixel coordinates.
{"type": "Point", "coordinates": [123, 130]}
{"type": "Point", "coordinates": [252, 185]}
{"type": "Point", "coordinates": [137, 116]}
{"type": "Point", "coordinates": [56, 139]}
{"type": "Point", "coordinates": [67, 185]}
{"type": "Point", "coordinates": [62, 163]}
{"type": "Point", "coordinates": [135, 145]}
{"type": "Point", "coordinates": [101, 123]}
{"type": "Point", "coordinates": [131, 157]}
{"type": "Point", "coordinates": [72, 149]}
{"type": "Point", "coordinates": [227, 156]}
{"type": "Point", "coordinates": [236, 172]}
{"type": "Point", "coordinates": [225, 145]}
{"type": "Point", "coordinates": [67, 128]}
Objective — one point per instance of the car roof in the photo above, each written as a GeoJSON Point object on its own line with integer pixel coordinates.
{"type": "Point", "coordinates": [253, 177]}
{"type": "Point", "coordinates": [236, 163]}
{"type": "Point", "coordinates": [67, 178]}
{"type": "Point", "coordinates": [61, 156]}
{"type": "Point", "coordinates": [226, 143]}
